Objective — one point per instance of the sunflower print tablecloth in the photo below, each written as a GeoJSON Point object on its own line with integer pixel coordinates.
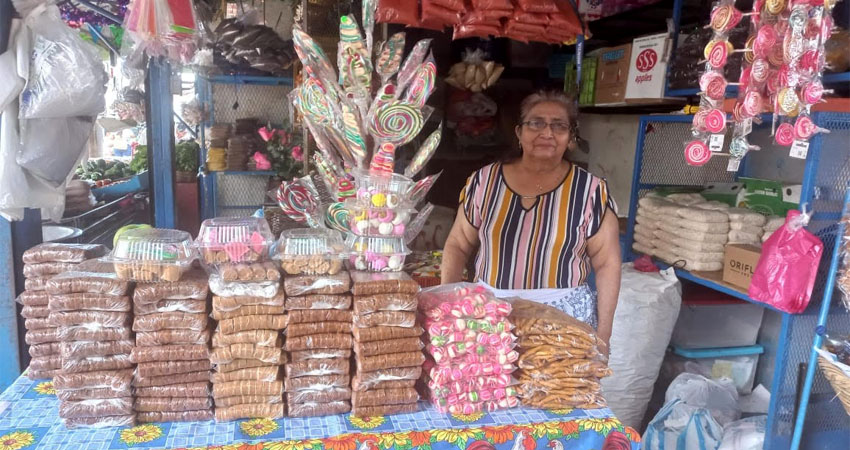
{"type": "Point", "coordinates": [29, 421]}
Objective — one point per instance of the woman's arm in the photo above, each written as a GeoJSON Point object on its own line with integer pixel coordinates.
{"type": "Point", "coordinates": [461, 243]}
{"type": "Point", "coordinates": [604, 251]}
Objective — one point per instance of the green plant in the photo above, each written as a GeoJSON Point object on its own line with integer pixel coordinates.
{"type": "Point", "coordinates": [187, 156]}
{"type": "Point", "coordinates": [139, 163]}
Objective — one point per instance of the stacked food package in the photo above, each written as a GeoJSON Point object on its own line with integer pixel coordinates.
{"type": "Point", "coordinates": [560, 363]}
{"type": "Point", "coordinates": [40, 263]}
{"type": "Point", "coordinates": [172, 380]}
{"type": "Point", "coordinates": [472, 349]}
{"type": "Point", "coordinates": [90, 309]}
{"type": "Point", "coordinates": [387, 344]}
{"type": "Point", "coordinates": [318, 332]}
{"type": "Point", "coordinates": [219, 134]}
{"type": "Point", "coordinates": [772, 224]}
{"type": "Point", "coordinates": [247, 303]}
{"type": "Point", "coordinates": [745, 226]}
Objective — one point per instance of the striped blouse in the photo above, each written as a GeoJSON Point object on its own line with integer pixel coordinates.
{"type": "Point", "coordinates": [544, 246]}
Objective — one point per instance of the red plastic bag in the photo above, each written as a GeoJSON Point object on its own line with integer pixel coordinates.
{"type": "Point", "coordinates": [475, 30]}
{"type": "Point", "coordinates": [456, 5]}
{"type": "Point", "coordinates": [786, 272]}
{"type": "Point", "coordinates": [434, 13]}
{"type": "Point", "coordinates": [538, 6]}
{"type": "Point", "coordinates": [485, 16]}
{"type": "Point", "coordinates": [405, 12]}
{"type": "Point", "coordinates": [492, 4]}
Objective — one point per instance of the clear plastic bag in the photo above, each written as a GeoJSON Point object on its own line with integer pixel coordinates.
{"type": "Point", "coordinates": [86, 349]}
{"type": "Point", "coordinates": [385, 302]}
{"type": "Point", "coordinates": [391, 384]}
{"type": "Point", "coordinates": [185, 390]}
{"type": "Point", "coordinates": [318, 316]}
{"type": "Point", "coordinates": [341, 301]}
{"type": "Point", "coordinates": [402, 319]}
{"type": "Point", "coordinates": [46, 269]}
{"type": "Point", "coordinates": [309, 329]}
{"type": "Point", "coordinates": [170, 353]}
{"type": "Point", "coordinates": [371, 283]}
{"type": "Point", "coordinates": [171, 379]}
{"type": "Point", "coordinates": [240, 388]}
{"type": "Point", "coordinates": [42, 374]}
{"type": "Point", "coordinates": [318, 341]}
{"type": "Point", "coordinates": [387, 361]}
{"type": "Point", "coordinates": [89, 302]}
{"type": "Point", "coordinates": [102, 319]}
{"type": "Point", "coordinates": [325, 396]}
{"type": "Point", "coordinates": [260, 338]}
{"type": "Point", "coordinates": [34, 298]}
{"type": "Point", "coordinates": [40, 140]}
{"type": "Point", "coordinates": [170, 321]}
{"type": "Point", "coordinates": [226, 355]}
{"type": "Point", "coordinates": [35, 312]}
{"type": "Point", "coordinates": [265, 289]}
{"type": "Point", "coordinates": [175, 416]}
{"type": "Point", "coordinates": [306, 355]}
{"type": "Point", "coordinates": [318, 409]}
{"type": "Point", "coordinates": [96, 363]}
{"type": "Point", "coordinates": [172, 337]}
{"type": "Point", "coordinates": [317, 284]}
{"type": "Point", "coordinates": [127, 420]}
{"type": "Point", "coordinates": [248, 323]}
{"type": "Point", "coordinates": [46, 349]}
{"type": "Point", "coordinates": [250, 411]}
{"type": "Point", "coordinates": [38, 323]}
{"type": "Point", "coordinates": [160, 368]}
{"type": "Point", "coordinates": [317, 368]}
{"type": "Point", "coordinates": [390, 346]}
{"type": "Point", "coordinates": [189, 306]}
{"type": "Point", "coordinates": [163, 404]}
{"type": "Point", "coordinates": [315, 383]}
{"type": "Point", "coordinates": [118, 380]}
{"type": "Point", "coordinates": [194, 285]}
{"type": "Point", "coordinates": [234, 303]}
{"type": "Point", "coordinates": [43, 363]}
{"type": "Point", "coordinates": [265, 373]}
{"type": "Point", "coordinates": [43, 336]}
{"type": "Point", "coordinates": [385, 333]}
{"type": "Point", "coordinates": [103, 281]}
{"type": "Point", "coordinates": [250, 310]}
{"type": "Point", "coordinates": [68, 253]}
{"type": "Point", "coordinates": [226, 402]}
{"type": "Point", "coordinates": [36, 286]}
{"type": "Point", "coordinates": [92, 333]}
{"type": "Point", "coordinates": [380, 397]}
{"type": "Point", "coordinates": [239, 364]}
{"type": "Point", "coordinates": [77, 395]}
{"type": "Point", "coordinates": [384, 410]}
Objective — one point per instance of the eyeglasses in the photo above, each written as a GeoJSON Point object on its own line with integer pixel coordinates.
{"type": "Point", "coordinates": [540, 125]}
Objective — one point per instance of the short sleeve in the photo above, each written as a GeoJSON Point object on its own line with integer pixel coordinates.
{"type": "Point", "coordinates": [600, 202]}
{"type": "Point", "coordinates": [470, 200]}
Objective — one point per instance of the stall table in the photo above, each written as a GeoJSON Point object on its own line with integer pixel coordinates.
{"type": "Point", "coordinates": [29, 420]}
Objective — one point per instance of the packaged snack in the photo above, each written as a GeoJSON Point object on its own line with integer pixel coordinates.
{"type": "Point", "coordinates": [159, 368]}
{"type": "Point", "coordinates": [172, 337]}
{"type": "Point", "coordinates": [309, 329]}
{"type": "Point", "coordinates": [233, 303]}
{"type": "Point", "coordinates": [47, 269]}
{"type": "Point", "coordinates": [240, 388]}
{"type": "Point", "coordinates": [38, 324]}
{"type": "Point", "coordinates": [128, 420]}
{"type": "Point", "coordinates": [34, 298]}
{"type": "Point", "coordinates": [339, 301]}
{"type": "Point", "coordinates": [387, 361]}
{"type": "Point", "coordinates": [317, 368]}
{"type": "Point", "coordinates": [306, 355]}
{"type": "Point", "coordinates": [77, 395]}
{"type": "Point", "coordinates": [170, 353]}
{"type": "Point", "coordinates": [69, 253]}
{"type": "Point", "coordinates": [318, 341]}
{"type": "Point", "coordinates": [226, 355]}
{"type": "Point", "coordinates": [371, 221]}
{"type": "Point", "coordinates": [233, 240]}
{"type": "Point", "coordinates": [379, 397]}
{"type": "Point", "coordinates": [226, 402]}
{"type": "Point", "coordinates": [96, 408]}
{"type": "Point", "coordinates": [325, 396]}
{"type": "Point", "coordinates": [317, 284]}
{"type": "Point", "coordinates": [197, 389]}
{"type": "Point", "coordinates": [43, 336]}
{"type": "Point", "coordinates": [175, 416]}
{"type": "Point", "coordinates": [33, 374]}
{"type": "Point", "coordinates": [384, 410]}
{"type": "Point", "coordinates": [318, 409]}
{"type": "Point", "coordinates": [103, 319]}
{"type": "Point", "coordinates": [163, 404]}
{"type": "Point", "coordinates": [260, 271]}
{"type": "Point", "coordinates": [175, 378]}
{"type": "Point", "coordinates": [170, 321]}
{"type": "Point", "coordinates": [385, 333]}
{"type": "Point", "coordinates": [239, 364]}
{"type": "Point", "coordinates": [89, 302]}
{"type": "Point", "coordinates": [265, 373]}
{"type": "Point", "coordinates": [97, 363]}
{"type": "Point", "coordinates": [222, 288]}
{"type": "Point", "coordinates": [370, 283]}
{"type": "Point", "coordinates": [402, 345]}
{"type": "Point", "coordinates": [42, 363]}
{"type": "Point", "coordinates": [247, 323]}
{"type": "Point", "coordinates": [80, 281]}
{"type": "Point", "coordinates": [365, 304]}
{"type": "Point", "coordinates": [35, 312]}
{"type": "Point", "coordinates": [249, 411]}
{"type": "Point", "coordinates": [403, 319]}
{"type": "Point", "coordinates": [310, 252]}
{"type": "Point", "coordinates": [35, 285]}
{"type": "Point", "coordinates": [193, 285]}
{"type": "Point", "coordinates": [260, 338]}
{"type": "Point", "coordinates": [377, 254]}
{"type": "Point", "coordinates": [88, 333]}
{"type": "Point", "coordinates": [318, 315]}
{"type": "Point", "coordinates": [251, 310]}
{"type": "Point", "coordinates": [397, 384]}
{"type": "Point", "coordinates": [83, 349]}
{"type": "Point", "coordinates": [152, 255]}
{"type": "Point", "coordinates": [322, 383]}
{"type": "Point", "coordinates": [190, 306]}
{"type": "Point", "coordinates": [46, 349]}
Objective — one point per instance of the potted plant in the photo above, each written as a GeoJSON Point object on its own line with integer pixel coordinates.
{"type": "Point", "coordinates": [187, 159]}
{"type": "Point", "coordinates": [283, 153]}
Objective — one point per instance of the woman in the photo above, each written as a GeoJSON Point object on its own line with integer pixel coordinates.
{"type": "Point", "coordinates": [541, 222]}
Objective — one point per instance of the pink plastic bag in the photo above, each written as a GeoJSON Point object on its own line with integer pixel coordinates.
{"type": "Point", "coordinates": [786, 272]}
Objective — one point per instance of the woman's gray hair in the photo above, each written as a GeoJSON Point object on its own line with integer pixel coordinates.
{"type": "Point", "coordinates": [547, 97]}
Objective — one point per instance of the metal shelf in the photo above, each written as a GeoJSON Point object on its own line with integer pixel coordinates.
{"type": "Point", "coordinates": [249, 79]}
{"type": "Point", "coordinates": [712, 280]}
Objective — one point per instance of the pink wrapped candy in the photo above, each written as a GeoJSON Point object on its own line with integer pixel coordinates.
{"type": "Point", "coordinates": [784, 134]}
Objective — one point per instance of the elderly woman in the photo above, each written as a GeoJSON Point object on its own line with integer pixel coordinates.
{"type": "Point", "coordinates": [540, 223]}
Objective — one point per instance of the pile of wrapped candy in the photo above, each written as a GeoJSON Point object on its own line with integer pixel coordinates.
{"type": "Point", "coordinates": [40, 263]}
{"type": "Point", "coordinates": [387, 344]}
{"type": "Point", "coordinates": [471, 348]}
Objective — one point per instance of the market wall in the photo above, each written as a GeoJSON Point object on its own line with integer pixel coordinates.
{"type": "Point", "coordinates": [612, 139]}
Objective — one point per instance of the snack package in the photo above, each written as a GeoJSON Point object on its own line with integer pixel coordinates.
{"type": "Point", "coordinates": [317, 284]}
{"type": "Point", "coordinates": [172, 337]}
{"type": "Point", "coordinates": [318, 315]}
{"type": "Point", "coordinates": [184, 390]}
{"type": "Point", "coordinates": [384, 410]}
{"type": "Point", "coordinates": [38, 324]}
{"type": "Point", "coordinates": [92, 333]}
{"type": "Point", "coordinates": [310, 252]}
{"type": "Point", "coordinates": [385, 333]}
{"type": "Point", "coordinates": [226, 402]}
{"type": "Point", "coordinates": [35, 312]}
{"type": "Point", "coordinates": [189, 306]}
{"type": "Point", "coordinates": [77, 395]}
{"type": "Point", "coordinates": [324, 396]}
{"type": "Point", "coordinates": [340, 301]}
{"type": "Point", "coordinates": [265, 271]}
{"type": "Point", "coordinates": [252, 310]}
{"type": "Point", "coordinates": [377, 254]}
{"type": "Point", "coordinates": [42, 374]}
{"type": "Point", "coordinates": [249, 411]}
{"type": "Point", "coordinates": [265, 373]}
{"type": "Point", "coordinates": [321, 383]}
{"type": "Point", "coordinates": [44, 363]}
{"type": "Point", "coordinates": [96, 363]}
{"type": "Point", "coordinates": [402, 345]}
{"type": "Point", "coordinates": [307, 355]}
{"type": "Point", "coordinates": [152, 255]}
{"type": "Point", "coordinates": [225, 355]}
{"type": "Point", "coordinates": [79, 281]}
{"type": "Point", "coordinates": [69, 253]}
{"type": "Point", "coordinates": [101, 319]}
{"type": "Point", "coordinates": [175, 416]}
{"type": "Point", "coordinates": [385, 302]}
{"type": "Point", "coordinates": [128, 420]}
{"type": "Point", "coordinates": [225, 241]}
{"type": "Point", "coordinates": [34, 298]}
{"type": "Point", "coordinates": [234, 303]}
{"type": "Point", "coordinates": [193, 285]}
{"type": "Point", "coordinates": [222, 288]}
{"type": "Point", "coordinates": [239, 364]}
{"type": "Point", "coordinates": [35, 285]}
{"type": "Point", "coordinates": [89, 302]}
{"type": "Point", "coordinates": [43, 336]}
{"type": "Point", "coordinates": [170, 353]}
{"type": "Point", "coordinates": [47, 269]}
{"type": "Point", "coordinates": [387, 361]}
{"type": "Point", "coordinates": [170, 321]}
{"type": "Point", "coordinates": [96, 408]}
{"type": "Point", "coordinates": [402, 319]}
{"type": "Point", "coordinates": [379, 397]}
{"type": "Point", "coordinates": [309, 329]}
{"type": "Point", "coordinates": [155, 369]}
{"type": "Point", "coordinates": [171, 404]}
{"type": "Point", "coordinates": [317, 368]}
{"type": "Point", "coordinates": [318, 409]}
{"type": "Point", "coordinates": [371, 283]}
{"type": "Point", "coordinates": [240, 388]}
{"type": "Point", "coordinates": [46, 349]}
{"type": "Point", "coordinates": [172, 379]}
{"type": "Point", "coordinates": [247, 323]}
{"type": "Point", "coordinates": [318, 341]}
{"type": "Point", "coordinates": [260, 338]}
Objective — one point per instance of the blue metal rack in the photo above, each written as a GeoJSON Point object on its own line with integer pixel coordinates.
{"type": "Point", "coordinates": [824, 176]}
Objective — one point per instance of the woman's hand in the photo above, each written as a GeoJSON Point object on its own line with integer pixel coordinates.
{"type": "Point", "coordinates": [604, 250]}
{"type": "Point", "coordinates": [461, 243]}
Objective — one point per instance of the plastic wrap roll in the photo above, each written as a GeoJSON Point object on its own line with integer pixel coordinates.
{"type": "Point", "coordinates": [197, 389]}
{"type": "Point", "coordinates": [89, 302]}
{"type": "Point", "coordinates": [170, 321]}
{"type": "Point", "coordinates": [318, 341]}
{"type": "Point", "coordinates": [318, 315]}
{"type": "Point", "coordinates": [96, 408]}
{"type": "Point", "coordinates": [318, 409]}
{"type": "Point", "coordinates": [403, 319]}
{"type": "Point", "coordinates": [247, 323]}
{"type": "Point", "coordinates": [379, 362]}
{"type": "Point", "coordinates": [371, 283]}
{"type": "Point", "coordinates": [316, 368]}
{"type": "Point", "coordinates": [241, 388]}
{"type": "Point", "coordinates": [340, 301]}
{"type": "Point", "coordinates": [232, 303]}
{"type": "Point", "coordinates": [172, 337]}
{"type": "Point", "coordinates": [175, 416]}
{"type": "Point", "coordinates": [97, 363]}
{"type": "Point", "coordinates": [310, 329]}
{"type": "Point", "coordinates": [380, 397]}
{"type": "Point", "coordinates": [118, 380]}
{"type": "Point", "coordinates": [226, 355]}
{"type": "Point", "coordinates": [226, 402]}
{"type": "Point", "coordinates": [249, 411]}
{"type": "Point", "coordinates": [260, 338]}
{"type": "Point", "coordinates": [385, 333]}
{"type": "Point", "coordinates": [155, 369]}
{"type": "Point", "coordinates": [251, 310]}
{"type": "Point", "coordinates": [306, 355]}
{"type": "Point", "coordinates": [315, 383]}
{"type": "Point", "coordinates": [168, 380]}
{"type": "Point", "coordinates": [264, 373]}
{"type": "Point", "coordinates": [324, 396]}
{"type": "Point", "coordinates": [170, 353]}
{"type": "Point", "coordinates": [163, 404]}
{"type": "Point", "coordinates": [190, 306]}
{"type": "Point", "coordinates": [391, 346]}
{"type": "Point", "coordinates": [385, 302]}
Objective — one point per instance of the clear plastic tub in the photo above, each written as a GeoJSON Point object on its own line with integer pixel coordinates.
{"type": "Point", "coordinates": [377, 254]}
{"type": "Point", "coordinates": [310, 252]}
{"type": "Point", "coordinates": [710, 320]}
{"type": "Point", "coordinates": [736, 363]}
{"type": "Point", "coordinates": [234, 240]}
{"type": "Point", "coordinates": [381, 190]}
{"type": "Point", "coordinates": [367, 220]}
{"type": "Point", "coordinates": [152, 255]}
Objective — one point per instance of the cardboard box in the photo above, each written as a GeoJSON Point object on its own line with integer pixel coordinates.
{"type": "Point", "coordinates": [723, 192]}
{"type": "Point", "coordinates": [588, 80]}
{"type": "Point", "coordinates": [739, 263]}
{"type": "Point", "coordinates": [612, 74]}
{"type": "Point", "coordinates": [769, 197]}
{"type": "Point", "coordinates": [648, 68]}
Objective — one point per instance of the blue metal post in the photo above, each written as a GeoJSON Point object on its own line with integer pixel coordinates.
{"type": "Point", "coordinates": [633, 200]}
{"type": "Point", "coordinates": [160, 117]}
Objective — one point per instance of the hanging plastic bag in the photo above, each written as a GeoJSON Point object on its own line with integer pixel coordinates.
{"type": "Point", "coordinates": [785, 274]}
{"type": "Point", "coordinates": [53, 147]}
{"type": "Point", "coordinates": [10, 83]}
{"type": "Point", "coordinates": [66, 76]}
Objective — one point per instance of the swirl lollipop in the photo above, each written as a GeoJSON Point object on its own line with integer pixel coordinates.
{"type": "Point", "coordinates": [412, 63]}
{"type": "Point", "coordinates": [775, 56]}
{"type": "Point", "coordinates": [338, 216]}
{"type": "Point", "coordinates": [810, 62]}
{"type": "Point", "coordinates": [812, 92]}
{"type": "Point", "coordinates": [389, 57]}
{"type": "Point", "coordinates": [717, 51]}
{"type": "Point", "coordinates": [774, 7]}
{"type": "Point", "coordinates": [784, 134]}
{"type": "Point", "coordinates": [739, 147]}
{"type": "Point", "coordinates": [724, 18]}
{"type": "Point", "coordinates": [396, 122]}
{"type": "Point", "coordinates": [383, 161]}
{"type": "Point", "coordinates": [713, 85]}
{"type": "Point", "coordinates": [749, 56]}
{"type": "Point", "coordinates": [766, 36]}
{"type": "Point", "coordinates": [425, 152]}
{"type": "Point", "coordinates": [699, 119]}
{"type": "Point", "coordinates": [715, 121]}
{"type": "Point", "coordinates": [298, 200]}
{"type": "Point", "coordinates": [353, 134]}
{"type": "Point", "coordinates": [313, 57]}
{"type": "Point", "coordinates": [787, 101]}
{"type": "Point", "coordinates": [759, 71]}
{"type": "Point", "coordinates": [697, 153]}
{"type": "Point", "coordinates": [792, 47]}
{"type": "Point", "coordinates": [422, 84]}
{"type": "Point", "coordinates": [752, 104]}
{"type": "Point", "coordinates": [804, 128]}
{"type": "Point", "coordinates": [419, 190]}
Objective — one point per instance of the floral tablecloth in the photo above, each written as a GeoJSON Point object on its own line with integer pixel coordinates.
{"type": "Point", "coordinates": [29, 421]}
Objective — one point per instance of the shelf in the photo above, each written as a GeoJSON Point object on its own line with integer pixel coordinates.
{"type": "Point", "coordinates": [249, 79]}
{"type": "Point", "coordinates": [842, 77]}
{"type": "Point", "coordinates": [667, 105]}
{"type": "Point", "coordinates": [714, 280]}
{"type": "Point", "coordinates": [732, 91]}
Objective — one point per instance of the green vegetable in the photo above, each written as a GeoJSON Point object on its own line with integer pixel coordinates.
{"type": "Point", "coordinates": [139, 163]}
{"type": "Point", "coordinates": [187, 156]}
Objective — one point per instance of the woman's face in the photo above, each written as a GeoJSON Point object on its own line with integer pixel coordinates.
{"type": "Point", "coordinates": [545, 132]}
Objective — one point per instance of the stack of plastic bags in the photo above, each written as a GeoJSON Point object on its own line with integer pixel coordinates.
{"type": "Point", "coordinates": [471, 348]}
{"type": "Point", "coordinates": [90, 309]}
{"type": "Point", "coordinates": [559, 364]}
{"type": "Point", "coordinates": [318, 332]}
{"type": "Point", "coordinates": [172, 380]}
{"type": "Point", "coordinates": [40, 264]}
{"type": "Point", "coordinates": [745, 226]}
{"type": "Point", "coordinates": [387, 344]}
{"type": "Point", "coordinates": [247, 352]}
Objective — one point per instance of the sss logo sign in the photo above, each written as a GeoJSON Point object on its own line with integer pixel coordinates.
{"type": "Point", "coordinates": [646, 60]}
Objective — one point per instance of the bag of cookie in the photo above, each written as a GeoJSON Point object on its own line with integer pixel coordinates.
{"type": "Point", "coordinates": [222, 288]}
{"type": "Point", "coordinates": [310, 252]}
{"type": "Point", "coordinates": [152, 255]}
{"type": "Point", "coordinates": [228, 241]}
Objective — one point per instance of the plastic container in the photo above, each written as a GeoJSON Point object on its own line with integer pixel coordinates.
{"type": "Point", "coordinates": [367, 220]}
{"type": "Point", "coordinates": [310, 252]}
{"type": "Point", "coordinates": [377, 254]}
{"type": "Point", "coordinates": [234, 240]}
{"type": "Point", "coordinates": [382, 190]}
{"type": "Point", "coordinates": [710, 320]}
{"type": "Point", "coordinates": [736, 363]}
{"type": "Point", "coordinates": [152, 255]}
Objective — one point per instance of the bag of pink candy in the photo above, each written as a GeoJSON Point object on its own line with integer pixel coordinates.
{"type": "Point", "coordinates": [471, 348]}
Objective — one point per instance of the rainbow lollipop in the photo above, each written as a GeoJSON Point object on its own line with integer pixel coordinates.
{"type": "Point", "coordinates": [422, 84]}
{"type": "Point", "coordinates": [412, 63]}
{"type": "Point", "coordinates": [353, 134]}
{"type": "Point", "coordinates": [369, 8]}
{"type": "Point", "coordinates": [389, 58]}
{"type": "Point", "coordinates": [419, 190]}
{"type": "Point", "coordinates": [337, 217]}
{"type": "Point", "coordinates": [299, 200]}
{"type": "Point", "coordinates": [425, 152]}
{"type": "Point", "coordinates": [396, 122]}
{"type": "Point", "coordinates": [313, 57]}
